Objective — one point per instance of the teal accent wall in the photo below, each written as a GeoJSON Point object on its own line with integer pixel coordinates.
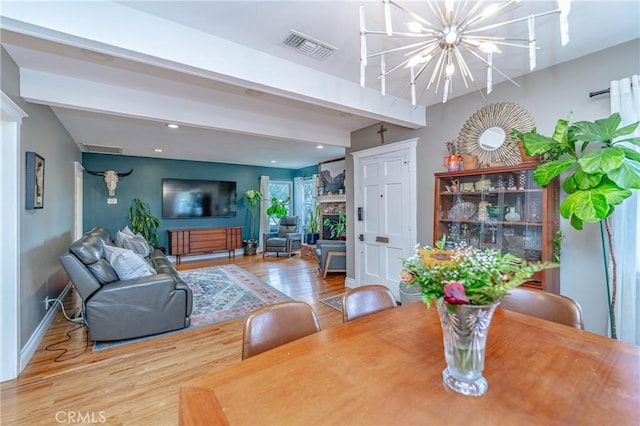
{"type": "Point", "coordinates": [146, 183]}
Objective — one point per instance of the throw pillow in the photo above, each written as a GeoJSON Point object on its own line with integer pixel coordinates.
{"type": "Point", "coordinates": [127, 231]}
{"type": "Point", "coordinates": [284, 230]}
{"type": "Point", "coordinates": [123, 235]}
{"type": "Point", "coordinates": [127, 264]}
{"type": "Point", "coordinates": [137, 244]}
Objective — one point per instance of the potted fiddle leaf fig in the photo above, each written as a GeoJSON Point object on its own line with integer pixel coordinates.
{"type": "Point", "coordinates": [252, 197]}
{"type": "Point", "coordinates": [602, 171]}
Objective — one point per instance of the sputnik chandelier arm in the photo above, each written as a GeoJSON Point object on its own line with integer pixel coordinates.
{"type": "Point", "coordinates": [437, 45]}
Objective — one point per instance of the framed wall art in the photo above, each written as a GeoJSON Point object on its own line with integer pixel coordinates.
{"type": "Point", "coordinates": [35, 181]}
{"type": "Point", "coordinates": [331, 177]}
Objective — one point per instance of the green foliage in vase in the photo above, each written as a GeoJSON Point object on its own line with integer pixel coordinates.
{"type": "Point", "coordinates": [466, 275]}
{"type": "Point", "coordinates": [253, 198]}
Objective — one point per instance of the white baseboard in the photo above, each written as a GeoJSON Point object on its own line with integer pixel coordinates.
{"type": "Point", "coordinates": [350, 283]}
{"type": "Point", "coordinates": [32, 344]}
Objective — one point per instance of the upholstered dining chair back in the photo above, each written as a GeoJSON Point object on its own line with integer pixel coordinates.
{"type": "Point", "coordinates": [275, 325]}
{"type": "Point", "coordinates": [366, 300]}
{"type": "Point", "coordinates": [545, 305]}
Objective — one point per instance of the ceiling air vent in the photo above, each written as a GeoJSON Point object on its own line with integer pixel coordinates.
{"type": "Point", "coordinates": [308, 46]}
{"type": "Point", "coordinates": [102, 149]}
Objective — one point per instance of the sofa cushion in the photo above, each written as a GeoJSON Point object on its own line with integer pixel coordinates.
{"type": "Point", "coordinates": [103, 271]}
{"type": "Point", "coordinates": [137, 244]}
{"type": "Point", "coordinates": [284, 230]}
{"type": "Point", "coordinates": [127, 264]}
{"type": "Point", "coordinates": [89, 249]}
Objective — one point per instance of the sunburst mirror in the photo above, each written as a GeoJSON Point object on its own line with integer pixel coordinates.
{"type": "Point", "coordinates": [486, 133]}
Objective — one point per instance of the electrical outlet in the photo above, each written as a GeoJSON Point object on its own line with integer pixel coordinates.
{"type": "Point", "coordinates": [48, 302]}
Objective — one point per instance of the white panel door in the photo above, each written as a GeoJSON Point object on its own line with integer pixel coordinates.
{"type": "Point", "coordinates": [385, 231]}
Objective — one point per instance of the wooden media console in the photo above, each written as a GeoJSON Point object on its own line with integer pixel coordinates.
{"type": "Point", "coordinates": [204, 240]}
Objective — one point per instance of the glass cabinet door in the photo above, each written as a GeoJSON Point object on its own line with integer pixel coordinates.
{"type": "Point", "coordinates": [502, 208]}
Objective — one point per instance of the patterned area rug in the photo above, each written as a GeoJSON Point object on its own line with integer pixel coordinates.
{"type": "Point", "coordinates": [220, 293]}
{"type": "Point", "coordinates": [334, 301]}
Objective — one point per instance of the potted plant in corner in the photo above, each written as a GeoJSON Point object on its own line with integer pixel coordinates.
{"type": "Point", "coordinates": [143, 222]}
{"type": "Point", "coordinates": [601, 170]}
{"type": "Point", "coordinates": [278, 208]}
{"type": "Point", "coordinates": [253, 198]}
{"type": "Point", "coordinates": [313, 233]}
{"type": "Point", "coordinates": [338, 228]}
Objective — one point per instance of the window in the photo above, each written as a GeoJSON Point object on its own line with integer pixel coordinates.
{"type": "Point", "coordinates": [281, 190]}
{"type": "Point", "coordinates": [309, 190]}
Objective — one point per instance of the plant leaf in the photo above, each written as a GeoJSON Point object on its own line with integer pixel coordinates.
{"type": "Point", "coordinates": [536, 144]}
{"type": "Point", "coordinates": [582, 180]}
{"type": "Point", "coordinates": [588, 206]}
{"type": "Point", "coordinates": [632, 141]}
{"type": "Point", "coordinates": [602, 160]}
{"type": "Point", "coordinates": [576, 223]}
{"type": "Point", "coordinates": [545, 172]}
{"type": "Point", "coordinates": [626, 130]}
{"type": "Point", "coordinates": [589, 131]}
{"type": "Point", "coordinates": [630, 154]}
{"type": "Point", "coordinates": [627, 176]}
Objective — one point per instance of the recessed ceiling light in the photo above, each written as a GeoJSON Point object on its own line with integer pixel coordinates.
{"type": "Point", "coordinates": [173, 126]}
{"type": "Point", "coordinates": [253, 92]}
{"type": "Point", "coordinates": [273, 161]}
{"type": "Point", "coordinates": [157, 150]}
{"type": "Point", "coordinates": [320, 146]}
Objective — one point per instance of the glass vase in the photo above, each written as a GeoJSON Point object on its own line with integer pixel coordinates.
{"type": "Point", "coordinates": [464, 332]}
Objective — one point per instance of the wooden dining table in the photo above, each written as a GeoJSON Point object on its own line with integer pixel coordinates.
{"type": "Point", "coordinates": [386, 369]}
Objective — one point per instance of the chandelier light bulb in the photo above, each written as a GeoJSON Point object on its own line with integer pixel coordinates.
{"type": "Point", "coordinates": [414, 27]}
{"type": "Point", "coordinates": [450, 35]}
{"type": "Point", "coordinates": [449, 70]}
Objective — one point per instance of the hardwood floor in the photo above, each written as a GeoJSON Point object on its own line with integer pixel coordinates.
{"type": "Point", "coordinates": [139, 383]}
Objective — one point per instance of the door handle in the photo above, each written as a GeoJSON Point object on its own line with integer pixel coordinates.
{"type": "Point", "coordinates": [361, 237]}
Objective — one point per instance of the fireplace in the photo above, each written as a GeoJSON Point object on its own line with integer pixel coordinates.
{"type": "Point", "coordinates": [331, 211]}
{"type": "Point", "coordinates": [326, 230]}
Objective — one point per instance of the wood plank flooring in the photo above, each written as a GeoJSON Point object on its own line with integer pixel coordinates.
{"type": "Point", "coordinates": [139, 383]}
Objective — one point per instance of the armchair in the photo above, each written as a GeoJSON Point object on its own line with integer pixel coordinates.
{"type": "Point", "coordinates": [331, 256]}
{"type": "Point", "coordinates": [286, 240]}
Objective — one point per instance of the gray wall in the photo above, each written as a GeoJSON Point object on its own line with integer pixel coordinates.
{"type": "Point", "coordinates": [45, 234]}
{"type": "Point", "coordinates": [548, 95]}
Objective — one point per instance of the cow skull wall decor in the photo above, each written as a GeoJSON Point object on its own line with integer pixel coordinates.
{"type": "Point", "coordinates": [111, 178]}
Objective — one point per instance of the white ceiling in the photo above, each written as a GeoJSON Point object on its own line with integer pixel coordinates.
{"type": "Point", "coordinates": [190, 62]}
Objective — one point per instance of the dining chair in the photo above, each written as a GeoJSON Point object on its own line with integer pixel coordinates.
{"type": "Point", "coordinates": [545, 305]}
{"type": "Point", "coordinates": [366, 300]}
{"type": "Point", "coordinates": [274, 325]}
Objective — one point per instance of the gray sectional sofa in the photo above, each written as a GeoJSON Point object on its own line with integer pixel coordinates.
{"type": "Point", "coordinates": [152, 299]}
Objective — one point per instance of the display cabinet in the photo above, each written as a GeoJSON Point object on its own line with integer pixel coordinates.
{"type": "Point", "coordinates": [501, 208]}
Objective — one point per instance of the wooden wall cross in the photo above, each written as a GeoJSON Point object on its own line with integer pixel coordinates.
{"type": "Point", "coordinates": [381, 133]}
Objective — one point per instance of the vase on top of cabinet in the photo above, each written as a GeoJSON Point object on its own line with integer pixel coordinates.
{"type": "Point", "coordinates": [524, 217]}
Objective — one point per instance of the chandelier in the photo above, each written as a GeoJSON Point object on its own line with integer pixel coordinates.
{"type": "Point", "coordinates": [439, 46]}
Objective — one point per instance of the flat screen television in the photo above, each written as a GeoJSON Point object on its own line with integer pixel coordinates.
{"type": "Point", "coordinates": [187, 198]}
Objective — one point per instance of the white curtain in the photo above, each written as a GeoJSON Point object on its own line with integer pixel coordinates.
{"type": "Point", "coordinates": [625, 99]}
{"type": "Point", "coordinates": [298, 201]}
{"type": "Point", "coordinates": [264, 219]}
